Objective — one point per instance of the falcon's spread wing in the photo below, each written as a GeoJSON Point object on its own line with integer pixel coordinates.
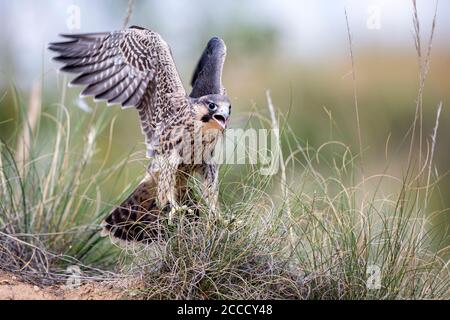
{"type": "Point", "coordinates": [207, 78]}
{"type": "Point", "coordinates": [132, 67]}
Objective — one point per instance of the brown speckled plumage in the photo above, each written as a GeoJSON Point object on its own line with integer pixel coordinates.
{"type": "Point", "coordinates": [135, 68]}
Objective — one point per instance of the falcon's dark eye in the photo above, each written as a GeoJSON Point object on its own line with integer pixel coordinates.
{"type": "Point", "coordinates": [212, 106]}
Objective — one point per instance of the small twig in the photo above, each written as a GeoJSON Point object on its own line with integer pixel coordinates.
{"type": "Point", "coordinates": [355, 99]}
{"type": "Point", "coordinates": [276, 128]}
{"type": "Point", "coordinates": [283, 183]}
{"type": "Point", "coordinates": [355, 95]}
{"type": "Point", "coordinates": [424, 63]}
{"type": "Point", "coordinates": [433, 146]}
{"type": "Point", "coordinates": [430, 164]}
{"type": "Point", "coordinates": [29, 125]}
{"type": "Point", "coordinates": [129, 13]}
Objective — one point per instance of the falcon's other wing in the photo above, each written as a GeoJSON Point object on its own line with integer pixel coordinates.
{"type": "Point", "coordinates": [132, 68]}
{"type": "Point", "coordinates": [207, 78]}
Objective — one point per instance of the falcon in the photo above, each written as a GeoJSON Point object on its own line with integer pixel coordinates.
{"type": "Point", "coordinates": [135, 68]}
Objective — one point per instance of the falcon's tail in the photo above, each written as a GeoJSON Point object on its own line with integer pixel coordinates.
{"type": "Point", "coordinates": [137, 218]}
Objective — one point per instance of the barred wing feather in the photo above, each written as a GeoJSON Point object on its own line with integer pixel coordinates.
{"type": "Point", "coordinates": [131, 68]}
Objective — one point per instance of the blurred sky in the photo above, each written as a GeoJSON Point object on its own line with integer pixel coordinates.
{"type": "Point", "coordinates": [305, 30]}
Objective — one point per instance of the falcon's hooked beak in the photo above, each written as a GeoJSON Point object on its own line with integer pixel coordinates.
{"type": "Point", "coordinates": [221, 119]}
{"type": "Point", "coordinates": [222, 115]}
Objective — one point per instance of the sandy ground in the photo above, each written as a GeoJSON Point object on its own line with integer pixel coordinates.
{"type": "Point", "coordinates": [11, 288]}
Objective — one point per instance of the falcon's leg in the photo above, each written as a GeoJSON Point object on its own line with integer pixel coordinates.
{"type": "Point", "coordinates": [168, 184]}
{"type": "Point", "coordinates": [210, 187]}
{"type": "Point", "coordinates": [210, 191]}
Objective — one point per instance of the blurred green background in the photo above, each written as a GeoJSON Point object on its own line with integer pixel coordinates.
{"type": "Point", "coordinates": [297, 49]}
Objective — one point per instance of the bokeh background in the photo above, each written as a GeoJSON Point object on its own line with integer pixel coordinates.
{"type": "Point", "coordinates": [298, 50]}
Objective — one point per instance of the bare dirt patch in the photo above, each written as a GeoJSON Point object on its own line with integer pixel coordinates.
{"type": "Point", "coordinates": [12, 288]}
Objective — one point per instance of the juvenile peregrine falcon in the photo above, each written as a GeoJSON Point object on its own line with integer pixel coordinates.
{"type": "Point", "coordinates": [135, 68]}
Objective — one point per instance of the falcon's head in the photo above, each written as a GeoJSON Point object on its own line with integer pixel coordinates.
{"type": "Point", "coordinates": [213, 111]}
{"type": "Point", "coordinates": [211, 104]}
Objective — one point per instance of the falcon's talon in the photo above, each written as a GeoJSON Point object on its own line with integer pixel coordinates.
{"type": "Point", "coordinates": [175, 211]}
